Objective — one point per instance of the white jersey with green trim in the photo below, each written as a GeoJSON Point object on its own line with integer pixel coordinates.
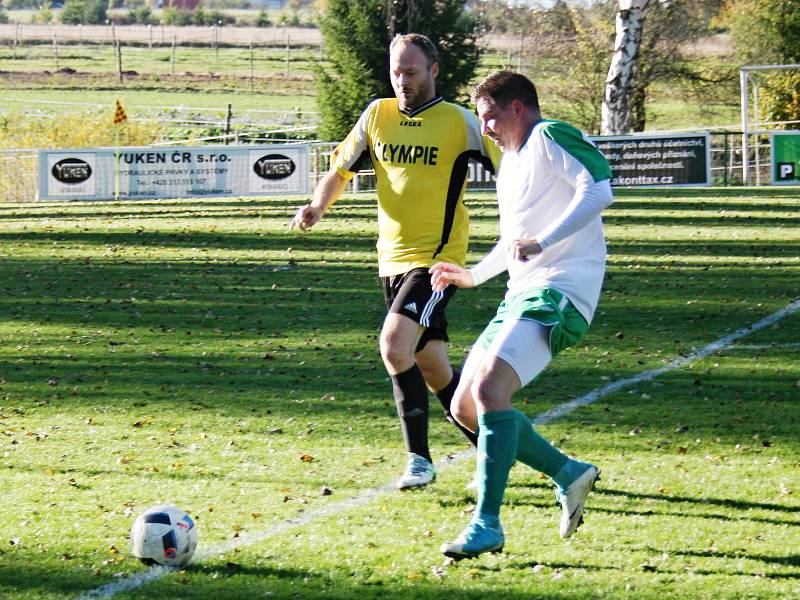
{"type": "Point", "coordinates": [553, 189]}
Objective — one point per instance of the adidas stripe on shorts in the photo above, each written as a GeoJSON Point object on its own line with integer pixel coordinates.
{"type": "Point", "coordinates": [410, 294]}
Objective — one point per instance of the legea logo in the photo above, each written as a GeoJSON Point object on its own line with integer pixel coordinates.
{"type": "Point", "coordinates": [274, 166]}
{"type": "Point", "coordinates": [71, 170]}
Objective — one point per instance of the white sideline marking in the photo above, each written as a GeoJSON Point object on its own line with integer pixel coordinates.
{"type": "Point", "coordinates": [366, 496]}
{"type": "Point", "coordinates": [723, 342]}
{"type": "Point", "coordinates": [774, 346]}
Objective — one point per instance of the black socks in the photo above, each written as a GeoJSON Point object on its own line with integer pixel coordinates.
{"type": "Point", "coordinates": [411, 397]}
{"type": "Point", "coordinates": [445, 395]}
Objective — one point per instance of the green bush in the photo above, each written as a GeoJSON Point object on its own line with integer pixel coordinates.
{"type": "Point", "coordinates": [142, 15]}
{"type": "Point", "coordinates": [181, 17]}
{"type": "Point", "coordinates": [214, 17]}
{"type": "Point", "coordinates": [73, 12]}
{"type": "Point", "coordinates": [96, 12]}
{"type": "Point", "coordinates": [3, 15]}
{"type": "Point", "coordinates": [90, 12]}
{"type": "Point", "coordinates": [43, 15]}
{"type": "Point", "coordinates": [262, 20]}
{"type": "Point", "coordinates": [176, 16]}
{"type": "Point", "coordinates": [291, 20]}
{"type": "Point", "coordinates": [20, 4]}
{"type": "Point", "coordinates": [780, 99]}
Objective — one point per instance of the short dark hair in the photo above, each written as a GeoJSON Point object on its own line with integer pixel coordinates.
{"type": "Point", "coordinates": [504, 86]}
{"type": "Point", "coordinates": [420, 41]}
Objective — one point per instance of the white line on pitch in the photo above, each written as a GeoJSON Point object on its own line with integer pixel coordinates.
{"type": "Point", "coordinates": [772, 346]}
{"type": "Point", "coordinates": [366, 496]}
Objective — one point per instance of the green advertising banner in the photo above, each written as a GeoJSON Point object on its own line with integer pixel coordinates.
{"type": "Point", "coordinates": [785, 157]}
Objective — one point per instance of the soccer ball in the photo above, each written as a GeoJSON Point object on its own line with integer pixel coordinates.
{"type": "Point", "coordinates": [164, 535]}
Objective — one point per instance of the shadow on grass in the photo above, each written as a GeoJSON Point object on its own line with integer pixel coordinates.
{"type": "Point", "coordinates": [723, 502]}
{"type": "Point", "coordinates": [792, 560]}
{"type": "Point", "coordinates": [705, 193]}
{"type": "Point", "coordinates": [23, 574]}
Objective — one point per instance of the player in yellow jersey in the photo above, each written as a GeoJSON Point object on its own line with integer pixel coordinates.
{"type": "Point", "coordinates": [419, 146]}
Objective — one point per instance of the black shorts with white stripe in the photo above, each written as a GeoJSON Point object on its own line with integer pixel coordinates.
{"type": "Point", "coordinates": [410, 294]}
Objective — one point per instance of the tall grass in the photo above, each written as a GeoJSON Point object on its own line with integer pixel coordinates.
{"type": "Point", "coordinates": [73, 130]}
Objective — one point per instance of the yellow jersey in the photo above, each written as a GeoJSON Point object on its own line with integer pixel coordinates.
{"type": "Point", "coordinates": [420, 159]}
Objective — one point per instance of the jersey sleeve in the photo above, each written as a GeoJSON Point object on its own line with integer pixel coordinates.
{"type": "Point", "coordinates": [353, 151]}
{"type": "Point", "coordinates": [590, 199]}
{"type": "Point", "coordinates": [570, 152]}
{"type": "Point", "coordinates": [492, 264]}
{"type": "Point", "coordinates": [577, 161]}
{"type": "Point", "coordinates": [480, 147]}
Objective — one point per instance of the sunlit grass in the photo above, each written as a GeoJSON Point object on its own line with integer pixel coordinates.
{"type": "Point", "coordinates": [195, 352]}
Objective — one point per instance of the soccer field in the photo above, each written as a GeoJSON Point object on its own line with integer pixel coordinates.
{"type": "Point", "coordinates": [198, 353]}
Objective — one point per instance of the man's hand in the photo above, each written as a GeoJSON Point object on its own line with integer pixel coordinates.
{"type": "Point", "coordinates": [444, 274]}
{"type": "Point", "coordinates": [521, 249]}
{"type": "Point", "coordinates": [306, 217]}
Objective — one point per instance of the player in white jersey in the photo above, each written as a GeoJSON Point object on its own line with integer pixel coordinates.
{"type": "Point", "coordinates": [552, 186]}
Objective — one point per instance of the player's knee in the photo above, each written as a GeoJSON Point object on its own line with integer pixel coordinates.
{"type": "Point", "coordinates": [395, 354]}
{"type": "Point", "coordinates": [435, 375]}
{"type": "Point", "coordinates": [459, 412]}
{"type": "Point", "coordinates": [484, 392]}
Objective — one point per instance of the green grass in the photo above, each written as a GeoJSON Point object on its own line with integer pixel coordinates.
{"type": "Point", "coordinates": [205, 77]}
{"type": "Point", "coordinates": [139, 102]}
{"type": "Point", "coordinates": [101, 59]}
{"type": "Point", "coordinates": [201, 78]}
{"type": "Point", "coordinates": [193, 351]}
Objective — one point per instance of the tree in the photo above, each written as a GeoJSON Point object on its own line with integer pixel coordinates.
{"type": "Point", "coordinates": [768, 32]}
{"type": "Point", "coordinates": [73, 12]}
{"type": "Point", "coordinates": [584, 56]}
{"type": "Point", "coordinates": [764, 31]}
{"type": "Point", "coordinates": [357, 35]}
{"type": "Point", "coordinates": [355, 42]}
{"type": "Point", "coordinates": [84, 11]}
{"type": "Point", "coordinates": [618, 97]}
{"type": "Point", "coordinates": [661, 55]}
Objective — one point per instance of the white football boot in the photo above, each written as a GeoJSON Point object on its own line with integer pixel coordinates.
{"type": "Point", "coordinates": [573, 499]}
{"type": "Point", "coordinates": [419, 472]}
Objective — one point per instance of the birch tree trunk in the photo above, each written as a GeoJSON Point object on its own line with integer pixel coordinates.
{"type": "Point", "coordinates": [617, 100]}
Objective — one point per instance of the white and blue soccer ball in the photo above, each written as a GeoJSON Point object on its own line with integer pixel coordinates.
{"type": "Point", "coordinates": [164, 535]}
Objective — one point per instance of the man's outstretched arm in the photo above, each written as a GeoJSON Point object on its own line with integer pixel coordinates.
{"type": "Point", "coordinates": [326, 193]}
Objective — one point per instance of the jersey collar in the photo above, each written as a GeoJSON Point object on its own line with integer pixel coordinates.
{"type": "Point", "coordinates": [419, 109]}
{"type": "Point", "coordinates": [528, 135]}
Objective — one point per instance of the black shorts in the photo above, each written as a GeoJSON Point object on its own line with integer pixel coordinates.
{"type": "Point", "coordinates": [410, 294]}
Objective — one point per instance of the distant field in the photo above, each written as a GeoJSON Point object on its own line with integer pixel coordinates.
{"type": "Point", "coordinates": [199, 353]}
{"type": "Point", "coordinates": [147, 100]}
{"type": "Point", "coordinates": [212, 77]}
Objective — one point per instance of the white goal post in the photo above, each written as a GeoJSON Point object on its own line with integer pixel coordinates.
{"type": "Point", "coordinates": [754, 126]}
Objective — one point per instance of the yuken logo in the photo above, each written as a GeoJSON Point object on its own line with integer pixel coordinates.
{"type": "Point", "coordinates": [274, 166]}
{"type": "Point", "coordinates": [71, 170]}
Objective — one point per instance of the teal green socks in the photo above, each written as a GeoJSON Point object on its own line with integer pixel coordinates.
{"type": "Point", "coordinates": [503, 437]}
{"type": "Point", "coordinates": [569, 473]}
{"type": "Point", "coordinates": [497, 449]}
{"type": "Point", "coordinates": [535, 451]}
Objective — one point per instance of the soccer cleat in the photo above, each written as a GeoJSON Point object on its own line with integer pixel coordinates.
{"type": "Point", "coordinates": [572, 500]}
{"type": "Point", "coordinates": [419, 472]}
{"type": "Point", "coordinates": [474, 540]}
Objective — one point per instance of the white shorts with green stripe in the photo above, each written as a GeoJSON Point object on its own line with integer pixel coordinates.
{"type": "Point", "coordinates": [529, 328]}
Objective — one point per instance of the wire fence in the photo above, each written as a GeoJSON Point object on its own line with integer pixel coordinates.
{"type": "Point", "coordinates": [20, 35]}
